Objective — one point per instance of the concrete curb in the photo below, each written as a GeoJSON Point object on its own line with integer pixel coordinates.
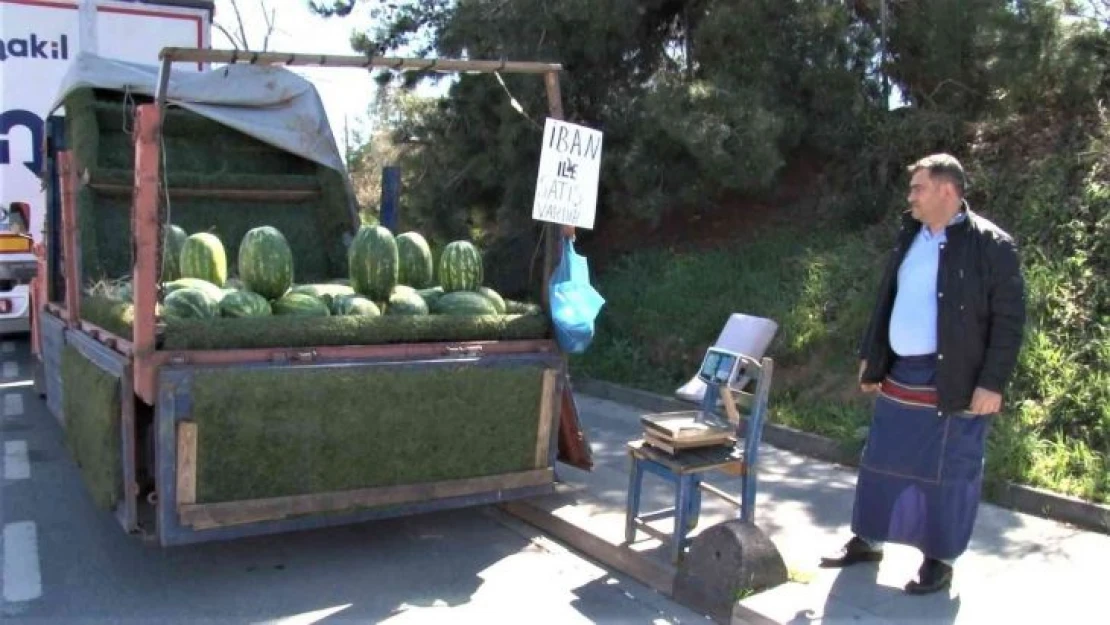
{"type": "Point", "coordinates": [1026, 499]}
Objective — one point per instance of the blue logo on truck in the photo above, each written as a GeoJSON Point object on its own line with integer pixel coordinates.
{"type": "Point", "coordinates": [35, 47]}
{"type": "Point", "coordinates": [9, 120]}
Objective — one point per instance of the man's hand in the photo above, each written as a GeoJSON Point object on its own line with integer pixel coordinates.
{"type": "Point", "coordinates": [984, 402]}
{"type": "Point", "coordinates": [866, 388]}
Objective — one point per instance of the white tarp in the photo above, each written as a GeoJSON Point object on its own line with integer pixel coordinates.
{"type": "Point", "coordinates": [271, 104]}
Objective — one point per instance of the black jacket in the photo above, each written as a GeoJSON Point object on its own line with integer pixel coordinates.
{"type": "Point", "coordinates": [980, 311]}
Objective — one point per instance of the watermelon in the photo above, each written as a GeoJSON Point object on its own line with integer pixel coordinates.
{"type": "Point", "coordinates": [372, 262]}
{"type": "Point", "coordinates": [431, 295]}
{"type": "Point", "coordinates": [460, 267]}
{"type": "Point", "coordinates": [209, 289]}
{"type": "Point", "coordinates": [266, 262]}
{"type": "Point", "coordinates": [172, 242]}
{"type": "Point", "coordinates": [235, 284]}
{"type": "Point", "coordinates": [354, 305]}
{"type": "Point", "coordinates": [300, 304]}
{"type": "Point", "coordinates": [414, 260]}
{"type": "Point", "coordinates": [244, 304]}
{"type": "Point", "coordinates": [325, 292]}
{"type": "Point", "coordinates": [494, 297]}
{"type": "Point", "coordinates": [405, 300]}
{"type": "Point", "coordinates": [464, 303]}
{"type": "Point", "coordinates": [190, 303]}
{"type": "Point", "coordinates": [203, 257]}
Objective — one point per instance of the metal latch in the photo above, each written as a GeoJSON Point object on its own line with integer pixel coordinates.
{"type": "Point", "coordinates": [464, 351]}
{"type": "Point", "coordinates": [283, 357]}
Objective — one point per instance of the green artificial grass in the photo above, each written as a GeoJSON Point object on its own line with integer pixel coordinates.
{"type": "Point", "coordinates": [91, 404]}
{"type": "Point", "coordinates": [228, 333]}
{"type": "Point", "coordinates": [201, 154]}
{"type": "Point", "coordinates": [287, 331]}
{"type": "Point", "coordinates": [281, 432]}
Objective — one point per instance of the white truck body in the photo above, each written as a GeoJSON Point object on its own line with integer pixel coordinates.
{"type": "Point", "coordinates": [38, 41]}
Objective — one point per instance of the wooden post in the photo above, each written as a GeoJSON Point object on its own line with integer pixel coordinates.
{"type": "Point", "coordinates": [186, 463]}
{"type": "Point", "coordinates": [144, 227]}
{"type": "Point", "coordinates": [68, 174]}
{"type": "Point", "coordinates": [547, 409]}
{"type": "Point", "coordinates": [552, 252]}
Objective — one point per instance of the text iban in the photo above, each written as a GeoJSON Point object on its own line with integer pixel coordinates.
{"type": "Point", "coordinates": [570, 141]}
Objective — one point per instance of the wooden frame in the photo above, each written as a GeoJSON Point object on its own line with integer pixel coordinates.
{"type": "Point", "coordinates": [182, 520]}
{"type": "Point", "coordinates": [160, 377]}
{"type": "Point", "coordinates": [144, 213]}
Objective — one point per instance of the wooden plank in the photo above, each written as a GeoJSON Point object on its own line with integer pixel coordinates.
{"type": "Point", "coordinates": [70, 243]}
{"type": "Point", "coordinates": [186, 463]}
{"type": "Point", "coordinates": [699, 460]}
{"type": "Point", "coordinates": [684, 427]}
{"type": "Point", "coordinates": [351, 352]}
{"type": "Point", "coordinates": [145, 232]}
{"type": "Point", "coordinates": [262, 195]}
{"type": "Point", "coordinates": [573, 448]}
{"type": "Point", "coordinates": [212, 515]}
{"type": "Point", "coordinates": [547, 410]}
{"type": "Point", "coordinates": [198, 55]}
{"type": "Point", "coordinates": [128, 447]}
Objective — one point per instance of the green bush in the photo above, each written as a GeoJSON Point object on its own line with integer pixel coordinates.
{"type": "Point", "coordinates": [817, 281]}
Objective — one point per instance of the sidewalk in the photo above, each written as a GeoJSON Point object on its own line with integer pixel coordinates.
{"type": "Point", "coordinates": [1018, 568]}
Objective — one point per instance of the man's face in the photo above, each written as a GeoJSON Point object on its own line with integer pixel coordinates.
{"type": "Point", "coordinates": [927, 197]}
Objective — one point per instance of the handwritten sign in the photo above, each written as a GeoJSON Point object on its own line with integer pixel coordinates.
{"type": "Point", "coordinates": [570, 165]}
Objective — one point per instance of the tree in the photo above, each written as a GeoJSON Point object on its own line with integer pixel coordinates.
{"type": "Point", "coordinates": [238, 38]}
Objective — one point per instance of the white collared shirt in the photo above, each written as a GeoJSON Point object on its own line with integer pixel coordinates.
{"type": "Point", "coordinates": [913, 320]}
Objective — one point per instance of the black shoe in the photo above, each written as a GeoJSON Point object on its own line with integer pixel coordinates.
{"type": "Point", "coordinates": [857, 550]}
{"type": "Point", "coordinates": [933, 576]}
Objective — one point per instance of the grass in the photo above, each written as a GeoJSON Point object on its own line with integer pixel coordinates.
{"type": "Point", "coordinates": [665, 307]}
{"type": "Point", "coordinates": [818, 282]}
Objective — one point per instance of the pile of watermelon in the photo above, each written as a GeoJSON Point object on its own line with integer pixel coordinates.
{"type": "Point", "coordinates": [387, 275]}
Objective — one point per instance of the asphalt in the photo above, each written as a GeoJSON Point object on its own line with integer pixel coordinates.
{"type": "Point", "coordinates": [65, 561]}
{"type": "Point", "coordinates": [1019, 568]}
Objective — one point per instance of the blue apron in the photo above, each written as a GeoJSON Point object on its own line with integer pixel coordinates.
{"type": "Point", "coordinates": [921, 473]}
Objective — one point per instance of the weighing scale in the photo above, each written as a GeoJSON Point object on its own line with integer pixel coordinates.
{"type": "Point", "coordinates": [722, 371]}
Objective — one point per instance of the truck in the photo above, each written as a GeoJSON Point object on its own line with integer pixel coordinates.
{"type": "Point", "coordinates": [38, 41]}
{"type": "Point", "coordinates": [352, 377]}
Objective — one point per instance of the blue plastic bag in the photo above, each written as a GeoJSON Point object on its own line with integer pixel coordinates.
{"type": "Point", "coordinates": [574, 301]}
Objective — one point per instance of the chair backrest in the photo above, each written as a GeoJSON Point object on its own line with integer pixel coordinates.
{"type": "Point", "coordinates": [751, 405]}
{"type": "Point", "coordinates": [750, 430]}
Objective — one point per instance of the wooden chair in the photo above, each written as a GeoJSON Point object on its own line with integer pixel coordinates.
{"type": "Point", "coordinates": [684, 468]}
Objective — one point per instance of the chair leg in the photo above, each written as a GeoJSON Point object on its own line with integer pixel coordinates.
{"type": "Point", "coordinates": [635, 480]}
{"type": "Point", "coordinates": [747, 498]}
{"type": "Point", "coordinates": [682, 514]}
{"type": "Point", "coordinates": [695, 503]}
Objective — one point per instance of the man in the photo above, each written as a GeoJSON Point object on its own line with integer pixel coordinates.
{"type": "Point", "coordinates": [941, 346]}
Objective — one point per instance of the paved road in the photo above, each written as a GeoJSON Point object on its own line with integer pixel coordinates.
{"type": "Point", "coordinates": [65, 561]}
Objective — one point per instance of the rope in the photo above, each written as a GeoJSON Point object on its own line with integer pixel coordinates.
{"type": "Point", "coordinates": [515, 103]}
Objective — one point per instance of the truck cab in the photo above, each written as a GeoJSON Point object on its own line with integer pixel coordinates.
{"type": "Point", "coordinates": [18, 267]}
